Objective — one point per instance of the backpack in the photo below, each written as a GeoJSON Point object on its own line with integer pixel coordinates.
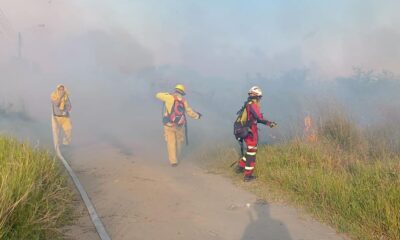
{"type": "Point", "coordinates": [177, 115]}
{"type": "Point", "coordinates": [241, 127]}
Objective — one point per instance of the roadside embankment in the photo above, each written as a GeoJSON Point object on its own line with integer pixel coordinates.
{"type": "Point", "coordinates": [344, 178]}
{"type": "Point", "coordinates": [35, 194]}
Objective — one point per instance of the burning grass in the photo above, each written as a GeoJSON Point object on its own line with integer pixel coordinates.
{"type": "Point", "coordinates": [350, 178]}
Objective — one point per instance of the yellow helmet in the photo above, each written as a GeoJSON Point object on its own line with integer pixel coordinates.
{"type": "Point", "coordinates": [180, 88]}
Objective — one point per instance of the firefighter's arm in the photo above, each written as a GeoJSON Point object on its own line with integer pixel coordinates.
{"type": "Point", "coordinates": [56, 100]}
{"type": "Point", "coordinates": [266, 122]}
{"type": "Point", "coordinates": [163, 96]}
{"type": "Point", "coordinates": [190, 112]}
{"type": "Point", "coordinates": [255, 111]}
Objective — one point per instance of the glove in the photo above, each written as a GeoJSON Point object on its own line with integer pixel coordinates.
{"type": "Point", "coordinates": [200, 115]}
{"type": "Point", "coordinates": [273, 124]}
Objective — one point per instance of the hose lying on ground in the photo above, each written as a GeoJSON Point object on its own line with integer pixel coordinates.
{"type": "Point", "coordinates": [92, 211]}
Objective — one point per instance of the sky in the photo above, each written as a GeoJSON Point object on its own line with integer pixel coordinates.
{"type": "Point", "coordinates": [223, 38]}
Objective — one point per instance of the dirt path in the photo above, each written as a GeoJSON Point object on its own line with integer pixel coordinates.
{"type": "Point", "coordinates": [140, 198]}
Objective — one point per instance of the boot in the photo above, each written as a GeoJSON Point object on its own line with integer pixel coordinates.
{"type": "Point", "coordinates": [249, 178]}
{"type": "Point", "coordinates": [239, 169]}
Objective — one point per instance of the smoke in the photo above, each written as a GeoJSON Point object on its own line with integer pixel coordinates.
{"type": "Point", "coordinates": [115, 55]}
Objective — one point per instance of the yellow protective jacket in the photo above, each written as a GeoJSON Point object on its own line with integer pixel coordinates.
{"type": "Point", "coordinates": [168, 99]}
{"type": "Point", "coordinates": [61, 106]}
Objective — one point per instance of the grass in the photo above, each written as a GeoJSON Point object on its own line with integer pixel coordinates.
{"type": "Point", "coordinates": [35, 195]}
{"type": "Point", "coordinates": [357, 197]}
{"type": "Point", "coordinates": [343, 179]}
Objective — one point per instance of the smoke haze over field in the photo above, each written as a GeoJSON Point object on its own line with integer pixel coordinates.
{"type": "Point", "coordinates": [337, 60]}
{"type": "Point", "coordinates": [115, 55]}
{"type": "Point", "coordinates": [224, 38]}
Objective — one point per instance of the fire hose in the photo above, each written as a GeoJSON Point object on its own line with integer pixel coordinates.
{"type": "Point", "coordinates": [101, 231]}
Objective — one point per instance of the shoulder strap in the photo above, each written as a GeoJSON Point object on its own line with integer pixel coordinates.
{"type": "Point", "coordinates": [176, 99]}
{"type": "Point", "coordinates": [167, 113]}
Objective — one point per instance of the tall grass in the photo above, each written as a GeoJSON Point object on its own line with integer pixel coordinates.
{"type": "Point", "coordinates": [34, 193]}
{"type": "Point", "coordinates": [358, 197]}
{"type": "Point", "coordinates": [350, 177]}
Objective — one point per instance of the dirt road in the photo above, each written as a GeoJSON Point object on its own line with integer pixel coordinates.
{"type": "Point", "coordinates": [143, 198]}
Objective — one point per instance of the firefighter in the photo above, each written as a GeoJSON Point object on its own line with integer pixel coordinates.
{"type": "Point", "coordinates": [174, 119]}
{"type": "Point", "coordinates": [61, 122]}
{"type": "Point", "coordinates": [251, 116]}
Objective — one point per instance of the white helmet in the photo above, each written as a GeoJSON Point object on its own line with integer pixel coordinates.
{"type": "Point", "coordinates": [255, 91]}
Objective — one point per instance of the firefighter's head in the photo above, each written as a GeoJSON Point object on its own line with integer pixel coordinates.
{"type": "Point", "coordinates": [60, 88]}
{"type": "Point", "coordinates": [255, 93]}
{"type": "Point", "coordinates": [179, 88]}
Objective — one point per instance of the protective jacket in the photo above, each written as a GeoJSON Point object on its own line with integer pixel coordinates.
{"type": "Point", "coordinates": [252, 116]}
{"type": "Point", "coordinates": [175, 107]}
{"type": "Point", "coordinates": [61, 106]}
{"type": "Point", "coordinates": [169, 100]}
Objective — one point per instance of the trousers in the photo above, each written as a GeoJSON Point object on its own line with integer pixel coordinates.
{"type": "Point", "coordinates": [174, 136]}
{"type": "Point", "coordinates": [248, 161]}
{"type": "Point", "coordinates": [62, 128]}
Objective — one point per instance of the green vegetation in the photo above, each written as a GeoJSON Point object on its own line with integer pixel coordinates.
{"type": "Point", "coordinates": [35, 195]}
{"type": "Point", "coordinates": [350, 177]}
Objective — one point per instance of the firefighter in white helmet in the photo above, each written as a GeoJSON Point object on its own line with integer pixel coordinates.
{"type": "Point", "coordinates": [248, 118]}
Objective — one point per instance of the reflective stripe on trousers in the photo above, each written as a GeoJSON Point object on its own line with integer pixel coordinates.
{"type": "Point", "coordinates": [250, 160]}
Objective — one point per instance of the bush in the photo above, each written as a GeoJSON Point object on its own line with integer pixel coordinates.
{"type": "Point", "coordinates": [338, 129]}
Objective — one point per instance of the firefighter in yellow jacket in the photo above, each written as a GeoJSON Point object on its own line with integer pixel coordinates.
{"type": "Point", "coordinates": [61, 121]}
{"type": "Point", "coordinates": [174, 119]}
